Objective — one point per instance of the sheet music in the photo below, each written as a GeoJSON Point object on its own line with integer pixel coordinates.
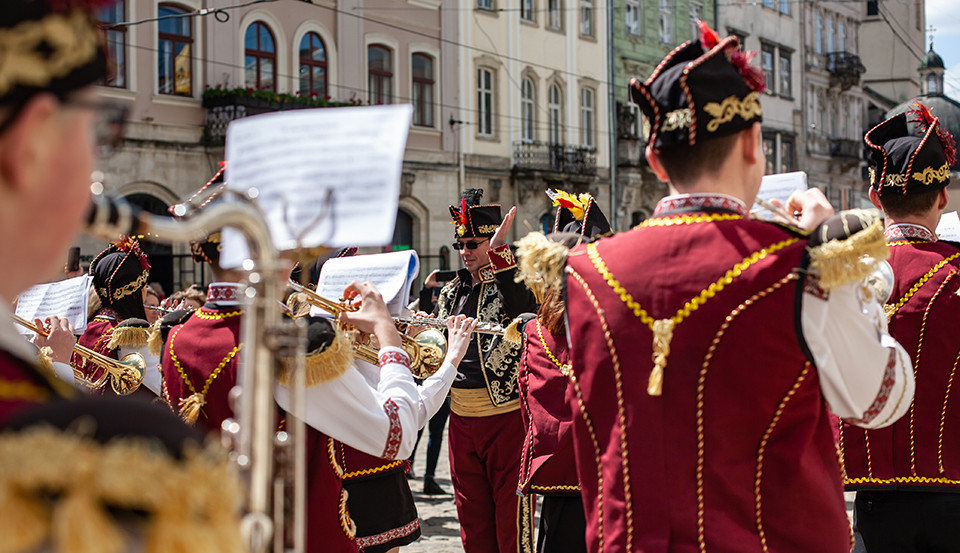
{"type": "Point", "coordinates": [67, 298]}
{"type": "Point", "coordinates": [780, 186]}
{"type": "Point", "coordinates": [949, 227]}
{"type": "Point", "coordinates": [390, 272]}
{"type": "Point", "coordinates": [331, 174]}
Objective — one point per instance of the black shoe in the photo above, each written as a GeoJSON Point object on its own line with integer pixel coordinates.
{"type": "Point", "coordinates": [430, 486]}
{"type": "Point", "coordinates": [411, 475]}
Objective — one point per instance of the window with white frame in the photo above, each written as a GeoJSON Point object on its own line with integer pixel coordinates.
{"type": "Point", "coordinates": [634, 25]}
{"type": "Point", "coordinates": [527, 110]}
{"type": "Point", "coordinates": [696, 14]}
{"type": "Point", "coordinates": [423, 82]}
{"type": "Point", "coordinates": [484, 102]}
{"type": "Point", "coordinates": [115, 38]}
{"type": "Point", "coordinates": [586, 117]}
{"type": "Point", "coordinates": [768, 54]}
{"type": "Point", "coordinates": [555, 112]}
{"type": "Point", "coordinates": [785, 7]}
{"type": "Point", "coordinates": [485, 4]}
{"type": "Point", "coordinates": [260, 57]}
{"type": "Point", "coordinates": [379, 74]}
{"type": "Point", "coordinates": [554, 14]}
{"type": "Point", "coordinates": [666, 22]}
{"type": "Point", "coordinates": [174, 58]}
{"type": "Point", "coordinates": [586, 18]}
{"type": "Point", "coordinates": [786, 82]}
{"type": "Point", "coordinates": [830, 35]}
{"type": "Point", "coordinates": [841, 37]}
{"type": "Point", "coordinates": [526, 10]}
{"type": "Point", "coordinates": [818, 34]}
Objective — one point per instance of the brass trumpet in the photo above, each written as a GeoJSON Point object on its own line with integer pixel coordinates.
{"type": "Point", "coordinates": [125, 375]}
{"type": "Point", "coordinates": [426, 349]}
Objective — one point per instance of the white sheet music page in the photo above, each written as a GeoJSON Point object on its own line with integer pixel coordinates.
{"type": "Point", "coordinates": [949, 227]}
{"type": "Point", "coordinates": [330, 176]}
{"type": "Point", "coordinates": [780, 186]}
{"type": "Point", "coordinates": [66, 298]}
{"type": "Point", "coordinates": [390, 272]}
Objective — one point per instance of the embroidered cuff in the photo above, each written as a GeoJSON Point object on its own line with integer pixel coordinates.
{"type": "Point", "coordinates": [392, 354]}
{"type": "Point", "coordinates": [501, 258]}
{"type": "Point", "coordinates": [395, 430]}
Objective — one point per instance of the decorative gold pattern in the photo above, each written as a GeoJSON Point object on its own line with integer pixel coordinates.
{"type": "Point", "coordinates": [677, 119]}
{"type": "Point", "coordinates": [901, 480]}
{"type": "Point", "coordinates": [558, 488]}
{"type": "Point", "coordinates": [190, 406]}
{"type": "Point", "coordinates": [374, 470]}
{"type": "Point", "coordinates": [701, 388]}
{"type": "Point", "coordinates": [943, 414]}
{"type": "Point", "coordinates": [130, 287]}
{"type": "Point", "coordinates": [724, 112]}
{"type": "Point", "coordinates": [891, 179]}
{"type": "Point", "coordinates": [929, 174]}
{"type": "Point", "coordinates": [663, 328]}
{"type": "Point", "coordinates": [892, 310]}
{"type": "Point", "coordinates": [202, 313]}
{"type": "Point", "coordinates": [484, 229]}
{"type": "Point", "coordinates": [565, 369]}
{"type": "Point", "coordinates": [70, 41]}
{"type": "Point", "coordinates": [688, 220]}
{"type": "Point", "coordinates": [346, 523]}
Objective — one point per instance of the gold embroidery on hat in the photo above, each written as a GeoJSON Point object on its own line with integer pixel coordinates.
{"type": "Point", "coordinates": [929, 174]}
{"type": "Point", "coordinates": [130, 287]}
{"type": "Point", "coordinates": [645, 128]}
{"type": "Point", "coordinates": [894, 179]}
{"type": "Point", "coordinates": [71, 40]}
{"type": "Point", "coordinates": [483, 229]}
{"type": "Point", "coordinates": [678, 119]}
{"type": "Point", "coordinates": [747, 109]}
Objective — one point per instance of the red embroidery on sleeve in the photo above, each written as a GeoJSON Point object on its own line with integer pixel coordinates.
{"type": "Point", "coordinates": [399, 357]}
{"type": "Point", "coordinates": [889, 379]}
{"type": "Point", "coordinates": [395, 433]}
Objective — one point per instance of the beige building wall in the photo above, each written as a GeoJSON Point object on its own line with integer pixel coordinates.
{"type": "Point", "coordinates": [892, 58]}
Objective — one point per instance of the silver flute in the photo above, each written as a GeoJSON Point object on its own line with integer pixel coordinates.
{"type": "Point", "coordinates": [434, 322]}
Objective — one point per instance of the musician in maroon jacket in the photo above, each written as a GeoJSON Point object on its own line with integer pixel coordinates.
{"type": "Point", "coordinates": [907, 475]}
{"type": "Point", "coordinates": [547, 465]}
{"type": "Point", "coordinates": [47, 114]}
{"type": "Point", "coordinates": [705, 346]}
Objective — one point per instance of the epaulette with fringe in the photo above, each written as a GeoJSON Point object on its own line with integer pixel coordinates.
{"type": "Point", "coordinates": [330, 354]}
{"type": "Point", "coordinates": [845, 247]}
{"type": "Point", "coordinates": [130, 333]}
{"type": "Point", "coordinates": [514, 331]}
{"type": "Point", "coordinates": [160, 329]}
{"type": "Point", "coordinates": [540, 262]}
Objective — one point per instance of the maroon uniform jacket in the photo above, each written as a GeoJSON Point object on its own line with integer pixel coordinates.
{"type": "Point", "coordinates": [23, 386]}
{"type": "Point", "coordinates": [547, 464]}
{"type": "Point", "coordinates": [96, 337]}
{"type": "Point", "coordinates": [737, 454]}
{"type": "Point", "coordinates": [921, 450]}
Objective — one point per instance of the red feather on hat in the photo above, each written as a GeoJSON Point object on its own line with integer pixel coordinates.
{"type": "Point", "coordinates": [708, 37]}
{"type": "Point", "coordinates": [924, 118]}
{"type": "Point", "coordinates": [129, 244]}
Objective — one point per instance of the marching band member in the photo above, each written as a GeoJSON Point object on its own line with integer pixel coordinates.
{"type": "Point", "coordinates": [47, 117]}
{"type": "Point", "coordinates": [907, 475]}
{"type": "Point", "coordinates": [119, 273]}
{"type": "Point", "coordinates": [485, 427]}
{"type": "Point", "coordinates": [706, 346]}
{"type": "Point", "coordinates": [547, 464]}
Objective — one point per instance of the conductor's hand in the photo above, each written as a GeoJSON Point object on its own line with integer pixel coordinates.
{"type": "Point", "coordinates": [373, 316]}
{"type": "Point", "coordinates": [459, 333]}
{"type": "Point", "coordinates": [61, 339]}
{"type": "Point", "coordinates": [810, 207]}
{"type": "Point", "coordinates": [503, 231]}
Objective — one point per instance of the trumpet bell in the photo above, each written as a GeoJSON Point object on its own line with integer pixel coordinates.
{"type": "Point", "coordinates": [880, 282]}
{"type": "Point", "coordinates": [130, 375]}
{"type": "Point", "coordinates": [432, 347]}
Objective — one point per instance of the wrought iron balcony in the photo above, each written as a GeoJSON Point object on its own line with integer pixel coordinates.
{"type": "Point", "coordinates": [842, 147]}
{"type": "Point", "coordinates": [845, 69]}
{"type": "Point", "coordinates": [558, 158]}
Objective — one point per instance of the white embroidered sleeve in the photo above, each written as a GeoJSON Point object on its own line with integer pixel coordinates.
{"type": "Point", "coordinates": [434, 391]}
{"type": "Point", "coordinates": [865, 375]}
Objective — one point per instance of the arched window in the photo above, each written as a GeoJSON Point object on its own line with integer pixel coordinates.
{"type": "Point", "coordinates": [527, 110]}
{"type": "Point", "coordinates": [423, 81]}
{"type": "Point", "coordinates": [260, 57]}
{"type": "Point", "coordinates": [313, 66]}
{"type": "Point", "coordinates": [555, 110]}
{"type": "Point", "coordinates": [174, 59]}
{"type": "Point", "coordinates": [379, 74]}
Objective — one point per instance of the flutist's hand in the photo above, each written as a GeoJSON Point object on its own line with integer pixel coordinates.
{"type": "Point", "coordinates": [61, 339]}
{"type": "Point", "coordinates": [373, 317]}
{"type": "Point", "coordinates": [459, 333]}
{"type": "Point", "coordinates": [810, 207]}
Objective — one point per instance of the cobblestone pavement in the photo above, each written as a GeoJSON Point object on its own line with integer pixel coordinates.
{"type": "Point", "coordinates": [439, 526]}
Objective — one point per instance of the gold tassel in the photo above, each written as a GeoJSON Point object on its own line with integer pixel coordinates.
{"type": "Point", "coordinates": [839, 262]}
{"type": "Point", "coordinates": [82, 525]}
{"type": "Point", "coordinates": [540, 260]}
{"type": "Point", "coordinates": [155, 340]}
{"type": "Point", "coordinates": [662, 335]}
{"type": "Point", "coordinates": [190, 407]}
{"type": "Point", "coordinates": [889, 309]}
{"type": "Point", "coordinates": [45, 359]}
{"type": "Point", "coordinates": [512, 332]}
{"type": "Point", "coordinates": [25, 523]}
{"type": "Point", "coordinates": [129, 336]}
{"type": "Point", "coordinates": [322, 367]}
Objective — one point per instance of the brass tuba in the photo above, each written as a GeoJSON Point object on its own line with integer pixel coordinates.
{"type": "Point", "coordinates": [426, 349]}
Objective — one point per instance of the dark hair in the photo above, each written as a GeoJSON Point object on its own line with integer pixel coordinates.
{"type": "Point", "coordinates": [687, 163]}
{"type": "Point", "coordinates": [896, 204]}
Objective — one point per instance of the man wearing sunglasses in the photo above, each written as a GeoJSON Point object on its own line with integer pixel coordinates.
{"type": "Point", "coordinates": [53, 54]}
{"type": "Point", "coordinates": [486, 431]}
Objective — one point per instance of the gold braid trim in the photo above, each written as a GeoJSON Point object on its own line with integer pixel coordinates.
{"type": "Point", "coordinates": [375, 470]}
{"type": "Point", "coordinates": [128, 336]}
{"type": "Point", "coordinates": [540, 263]}
{"type": "Point", "coordinates": [663, 328]}
{"type": "Point", "coordinates": [190, 406]}
{"type": "Point", "coordinates": [688, 220]}
{"type": "Point", "coordinates": [891, 309]}
{"type": "Point", "coordinates": [565, 368]}
{"type": "Point", "coordinates": [214, 315]}
{"type": "Point", "coordinates": [346, 523]}
{"type": "Point", "coordinates": [322, 367]}
{"type": "Point", "coordinates": [838, 262]}
{"type": "Point", "coordinates": [192, 503]}
{"type": "Point", "coordinates": [901, 480]}
{"type": "Point", "coordinates": [558, 488]}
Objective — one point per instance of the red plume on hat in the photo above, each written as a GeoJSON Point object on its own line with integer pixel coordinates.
{"type": "Point", "coordinates": [741, 60]}
{"type": "Point", "coordinates": [130, 245]}
{"type": "Point", "coordinates": [924, 119]}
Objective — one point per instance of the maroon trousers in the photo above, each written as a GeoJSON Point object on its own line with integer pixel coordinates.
{"type": "Point", "coordinates": [485, 467]}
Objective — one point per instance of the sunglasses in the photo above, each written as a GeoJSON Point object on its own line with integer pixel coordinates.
{"type": "Point", "coordinates": [469, 245]}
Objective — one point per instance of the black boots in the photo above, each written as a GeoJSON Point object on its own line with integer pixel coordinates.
{"type": "Point", "coordinates": [430, 486]}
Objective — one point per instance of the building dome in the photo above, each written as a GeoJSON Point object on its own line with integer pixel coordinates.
{"type": "Point", "coordinates": [931, 60]}
{"type": "Point", "coordinates": [943, 107]}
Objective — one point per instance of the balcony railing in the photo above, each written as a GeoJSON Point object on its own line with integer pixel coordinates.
{"type": "Point", "coordinates": [558, 158]}
{"type": "Point", "coordinates": [845, 69]}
